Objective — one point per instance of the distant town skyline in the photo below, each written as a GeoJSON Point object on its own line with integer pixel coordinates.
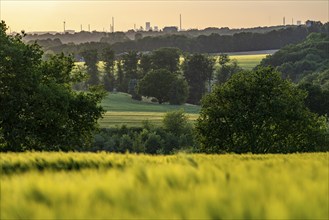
{"type": "Point", "coordinates": [37, 15]}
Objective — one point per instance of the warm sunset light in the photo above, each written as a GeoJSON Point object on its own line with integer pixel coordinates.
{"type": "Point", "coordinates": [164, 109]}
{"type": "Point", "coordinates": [49, 15]}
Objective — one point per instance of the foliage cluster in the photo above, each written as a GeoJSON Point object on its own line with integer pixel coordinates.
{"type": "Point", "coordinates": [298, 60]}
{"type": "Point", "coordinates": [258, 112]}
{"type": "Point", "coordinates": [175, 134]}
{"type": "Point", "coordinates": [293, 186]}
{"type": "Point", "coordinates": [39, 109]}
{"type": "Point", "coordinates": [158, 74]}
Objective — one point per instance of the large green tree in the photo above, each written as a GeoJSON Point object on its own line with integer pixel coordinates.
{"type": "Point", "coordinates": [258, 112]}
{"type": "Point", "coordinates": [130, 69]}
{"type": "Point", "coordinates": [156, 83]}
{"type": "Point", "coordinates": [227, 68]}
{"type": "Point", "coordinates": [91, 60]}
{"type": "Point", "coordinates": [198, 69]}
{"type": "Point", "coordinates": [166, 58]}
{"type": "Point", "coordinates": [108, 59]}
{"type": "Point", "coordinates": [39, 110]}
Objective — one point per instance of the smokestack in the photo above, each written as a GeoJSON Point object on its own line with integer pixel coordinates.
{"type": "Point", "coordinates": [180, 22]}
{"type": "Point", "coordinates": [81, 27]}
{"type": "Point", "coordinates": [89, 27]}
{"type": "Point", "coordinates": [112, 24]}
{"type": "Point", "coordinates": [284, 20]}
{"type": "Point", "coordinates": [64, 26]}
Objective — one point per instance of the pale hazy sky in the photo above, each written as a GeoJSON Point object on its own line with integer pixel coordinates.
{"type": "Point", "coordinates": [48, 15]}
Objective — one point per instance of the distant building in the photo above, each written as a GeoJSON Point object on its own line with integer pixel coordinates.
{"type": "Point", "coordinates": [299, 23]}
{"type": "Point", "coordinates": [148, 26]}
{"type": "Point", "coordinates": [156, 28]}
{"type": "Point", "coordinates": [171, 29]}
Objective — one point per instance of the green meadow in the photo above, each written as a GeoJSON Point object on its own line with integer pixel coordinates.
{"type": "Point", "coordinates": [126, 186]}
{"type": "Point", "coordinates": [248, 61]}
{"type": "Point", "coordinates": [121, 109]}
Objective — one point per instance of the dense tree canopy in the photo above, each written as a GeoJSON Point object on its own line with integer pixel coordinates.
{"type": "Point", "coordinates": [157, 83]}
{"type": "Point", "coordinates": [227, 68]}
{"type": "Point", "coordinates": [39, 110]}
{"type": "Point", "coordinates": [91, 59]}
{"type": "Point", "coordinates": [299, 60]}
{"type": "Point", "coordinates": [198, 69]}
{"type": "Point", "coordinates": [166, 58]}
{"type": "Point", "coordinates": [108, 59]}
{"type": "Point", "coordinates": [259, 112]}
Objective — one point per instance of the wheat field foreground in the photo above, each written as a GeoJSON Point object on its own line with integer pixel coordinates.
{"type": "Point", "coordinates": [183, 186]}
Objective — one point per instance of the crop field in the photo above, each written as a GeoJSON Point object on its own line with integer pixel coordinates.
{"type": "Point", "coordinates": [248, 62]}
{"type": "Point", "coordinates": [121, 109]}
{"type": "Point", "coordinates": [124, 186]}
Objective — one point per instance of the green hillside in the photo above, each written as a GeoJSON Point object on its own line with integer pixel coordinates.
{"type": "Point", "coordinates": [296, 61]}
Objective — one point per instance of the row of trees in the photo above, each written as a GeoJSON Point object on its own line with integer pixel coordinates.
{"type": "Point", "coordinates": [166, 73]}
{"type": "Point", "coordinates": [213, 43]}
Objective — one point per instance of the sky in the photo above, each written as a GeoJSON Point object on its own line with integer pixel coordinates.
{"type": "Point", "coordinates": [49, 15]}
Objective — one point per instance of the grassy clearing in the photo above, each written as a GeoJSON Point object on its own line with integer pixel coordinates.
{"type": "Point", "coordinates": [248, 62]}
{"type": "Point", "coordinates": [122, 102]}
{"type": "Point", "coordinates": [121, 109]}
{"type": "Point", "coordinates": [135, 119]}
{"type": "Point", "coordinates": [112, 186]}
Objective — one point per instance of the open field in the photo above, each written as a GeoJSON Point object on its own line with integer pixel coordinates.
{"type": "Point", "coordinates": [248, 62]}
{"type": "Point", "coordinates": [113, 186]}
{"type": "Point", "coordinates": [135, 119]}
{"type": "Point", "coordinates": [121, 109]}
{"type": "Point", "coordinates": [122, 102]}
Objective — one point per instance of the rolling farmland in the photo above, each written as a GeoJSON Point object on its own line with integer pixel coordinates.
{"type": "Point", "coordinates": [89, 185]}
{"type": "Point", "coordinates": [121, 109]}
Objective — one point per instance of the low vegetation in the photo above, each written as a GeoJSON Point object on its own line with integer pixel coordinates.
{"type": "Point", "coordinates": [112, 186]}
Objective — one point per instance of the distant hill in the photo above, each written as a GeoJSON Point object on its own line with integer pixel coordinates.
{"type": "Point", "coordinates": [296, 61]}
{"type": "Point", "coordinates": [209, 40]}
{"type": "Point", "coordinates": [96, 36]}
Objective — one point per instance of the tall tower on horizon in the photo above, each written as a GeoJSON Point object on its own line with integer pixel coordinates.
{"type": "Point", "coordinates": [112, 24]}
{"type": "Point", "coordinates": [284, 20]}
{"type": "Point", "coordinates": [64, 26]}
{"type": "Point", "coordinates": [180, 22]}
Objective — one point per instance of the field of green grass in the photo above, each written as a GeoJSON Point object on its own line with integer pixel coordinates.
{"type": "Point", "coordinates": [248, 62]}
{"type": "Point", "coordinates": [112, 186]}
{"type": "Point", "coordinates": [121, 109]}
